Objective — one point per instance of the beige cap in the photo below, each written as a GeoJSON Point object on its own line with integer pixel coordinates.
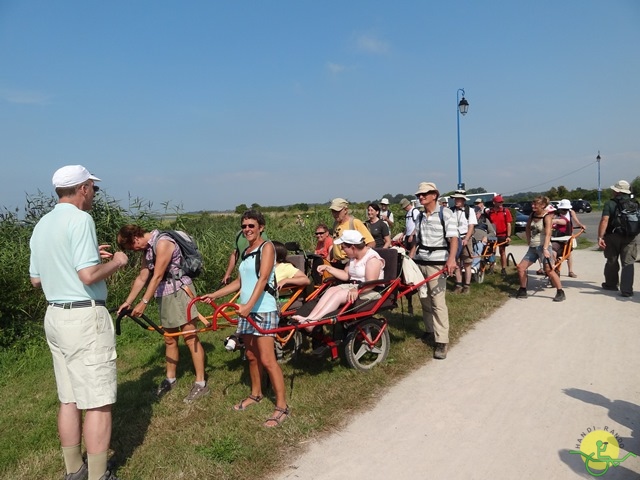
{"type": "Point", "coordinates": [338, 204]}
{"type": "Point", "coordinates": [426, 187]}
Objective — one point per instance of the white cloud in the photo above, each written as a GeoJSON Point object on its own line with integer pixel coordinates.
{"type": "Point", "coordinates": [335, 68]}
{"type": "Point", "coordinates": [24, 97]}
{"type": "Point", "coordinates": [370, 44]}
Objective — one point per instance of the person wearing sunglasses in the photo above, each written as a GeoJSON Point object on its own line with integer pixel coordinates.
{"type": "Point", "coordinates": [68, 264]}
{"type": "Point", "coordinates": [256, 284]}
{"type": "Point", "coordinates": [324, 242]}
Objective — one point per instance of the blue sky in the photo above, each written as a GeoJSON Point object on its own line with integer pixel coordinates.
{"type": "Point", "coordinates": [210, 104]}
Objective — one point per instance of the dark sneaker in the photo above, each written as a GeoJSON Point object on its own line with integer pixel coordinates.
{"type": "Point", "coordinates": [521, 293]}
{"type": "Point", "coordinates": [196, 392]}
{"type": "Point", "coordinates": [440, 352]}
{"type": "Point", "coordinates": [560, 297]}
{"type": "Point", "coordinates": [503, 272]}
{"type": "Point", "coordinates": [165, 387]}
{"type": "Point", "coordinates": [108, 476]}
{"type": "Point", "coordinates": [428, 338]}
{"type": "Point", "coordinates": [626, 294]}
{"type": "Point", "coordinates": [465, 290]}
{"type": "Point", "coordinates": [81, 474]}
{"type": "Point", "coordinates": [457, 289]}
{"type": "Point", "coordinates": [609, 287]}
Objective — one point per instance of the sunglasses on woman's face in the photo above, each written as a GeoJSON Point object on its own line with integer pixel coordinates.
{"type": "Point", "coordinates": [320, 233]}
{"type": "Point", "coordinates": [248, 225]}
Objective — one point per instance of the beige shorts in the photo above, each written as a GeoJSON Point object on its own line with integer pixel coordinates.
{"type": "Point", "coordinates": [83, 346]}
{"type": "Point", "coordinates": [368, 295]}
{"type": "Point", "coordinates": [173, 308]}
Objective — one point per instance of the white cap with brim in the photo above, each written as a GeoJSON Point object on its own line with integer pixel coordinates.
{"type": "Point", "coordinates": [384, 201]}
{"type": "Point", "coordinates": [352, 237]}
{"type": "Point", "coordinates": [72, 175]}
{"type": "Point", "coordinates": [622, 187]}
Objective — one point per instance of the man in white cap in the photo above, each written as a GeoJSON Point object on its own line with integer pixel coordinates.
{"type": "Point", "coordinates": [617, 237]}
{"type": "Point", "coordinates": [67, 263]}
{"type": "Point", "coordinates": [435, 250]}
{"type": "Point", "coordinates": [343, 220]}
{"type": "Point", "coordinates": [385, 213]}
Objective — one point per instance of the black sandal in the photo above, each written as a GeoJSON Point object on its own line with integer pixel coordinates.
{"type": "Point", "coordinates": [281, 416]}
{"type": "Point", "coordinates": [240, 407]}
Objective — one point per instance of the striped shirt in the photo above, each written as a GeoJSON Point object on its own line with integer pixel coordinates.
{"type": "Point", "coordinates": [432, 236]}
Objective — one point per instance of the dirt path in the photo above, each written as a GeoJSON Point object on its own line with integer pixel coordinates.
{"type": "Point", "coordinates": [512, 399]}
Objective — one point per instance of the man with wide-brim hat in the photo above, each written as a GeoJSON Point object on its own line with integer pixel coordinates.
{"type": "Point", "coordinates": [466, 222]}
{"type": "Point", "coordinates": [435, 253]}
{"type": "Point", "coordinates": [619, 245]}
{"type": "Point", "coordinates": [343, 220]}
{"type": "Point", "coordinates": [385, 213]}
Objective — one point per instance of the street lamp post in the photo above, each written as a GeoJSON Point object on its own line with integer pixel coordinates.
{"type": "Point", "coordinates": [463, 107]}
{"type": "Point", "coordinates": [599, 189]}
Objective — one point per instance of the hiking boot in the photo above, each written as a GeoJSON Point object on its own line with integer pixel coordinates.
{"type": "Point", "coordinates": [609, 287]}
{"type": "Point", "coordinates": [503, 272]}
{"type": "Point", "coordinates": [465, 289]}
{"type": "Point", "coordinates": [428, 338]}
{"type": "Point", "coordinates": [440, 352]}
{"type": "Point", "coordinates": [458, 289]}
{"type": "Point", "coordinates": [108, 476]}
{"type": "Point", "coordinates": [81, 474]}
{"type": "Point", "coordinates": [165, 387]}
{"type": "Point", "coordinates": [626, 294]}
{"type": "Point", "coordinates": [196, 392]}
{"type": "Point", "coordinates": [560, 296]}
{"type": "Point", "coordinates": [521, 293]}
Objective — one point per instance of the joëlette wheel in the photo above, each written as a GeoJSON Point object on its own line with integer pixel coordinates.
{"type": "Point", "coordinates": [358, 351]}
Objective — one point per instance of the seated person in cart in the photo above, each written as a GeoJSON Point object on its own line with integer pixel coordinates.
{"type": "Point", "coordinates": [365, 264]}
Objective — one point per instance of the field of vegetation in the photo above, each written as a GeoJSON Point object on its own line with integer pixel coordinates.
{"type": "Point", "coordinates": [167, 439]}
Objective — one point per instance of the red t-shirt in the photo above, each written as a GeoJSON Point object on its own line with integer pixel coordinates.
{"type": "Point", "coordinates": [500, 219]}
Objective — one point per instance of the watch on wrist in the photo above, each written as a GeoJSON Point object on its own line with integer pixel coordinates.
{"type": "Point", "coordinates": [145, 301]}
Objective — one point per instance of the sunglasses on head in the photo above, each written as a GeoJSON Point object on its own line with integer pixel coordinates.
{"type": "Point", "coordinates": [244, 226]}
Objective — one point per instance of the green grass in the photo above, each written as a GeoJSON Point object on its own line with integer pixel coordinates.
{"type": "Point", "coordinates": [167, 439]}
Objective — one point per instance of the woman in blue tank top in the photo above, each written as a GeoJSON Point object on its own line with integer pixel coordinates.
{"type": "Point", "coordinates": [257, 299]}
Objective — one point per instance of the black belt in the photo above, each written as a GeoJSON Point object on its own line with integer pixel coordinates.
{"type": "Point", "coordinates": [79, 304]}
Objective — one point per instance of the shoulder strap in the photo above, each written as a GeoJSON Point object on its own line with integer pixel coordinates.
{"type": "Point", "coordinates": [466, 212]}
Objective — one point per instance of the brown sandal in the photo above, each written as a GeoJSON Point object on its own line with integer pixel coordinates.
{"type": "Point", "coordinates": [241, 406]}
{"type": "Point", "coordinates": [276, 420]}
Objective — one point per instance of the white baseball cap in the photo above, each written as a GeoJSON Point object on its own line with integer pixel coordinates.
{"type": "Point", "coordinates": [352, 237]}
{"type": "Point", "coordinates": [72, 175]}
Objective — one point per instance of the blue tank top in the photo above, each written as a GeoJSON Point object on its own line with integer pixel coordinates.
{"type": "Point", "coordinates": [249, 279]}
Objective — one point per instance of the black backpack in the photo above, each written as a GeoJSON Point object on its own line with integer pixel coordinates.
{"type": "Point", "coordinates": [626, 220]}
{"type": "Point", "coordinates": [191, 263]}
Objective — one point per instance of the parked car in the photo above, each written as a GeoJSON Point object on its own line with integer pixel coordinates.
{"type": "Point", "coordinates": [521, 221]}
{"type": "Point", "coordinates": [525, 207]}
{"type": "Point", "coordinates": [581, 206]}
{"type": "Point", "coordinates": [515, 206]}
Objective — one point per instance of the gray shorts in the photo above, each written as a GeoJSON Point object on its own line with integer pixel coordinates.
{"type": "Point", "coordinates": [83, 346]}
{"type": "Point", "coordinates": [173, 308]}
{"type": "Point", "coordinates": [535, 253]}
